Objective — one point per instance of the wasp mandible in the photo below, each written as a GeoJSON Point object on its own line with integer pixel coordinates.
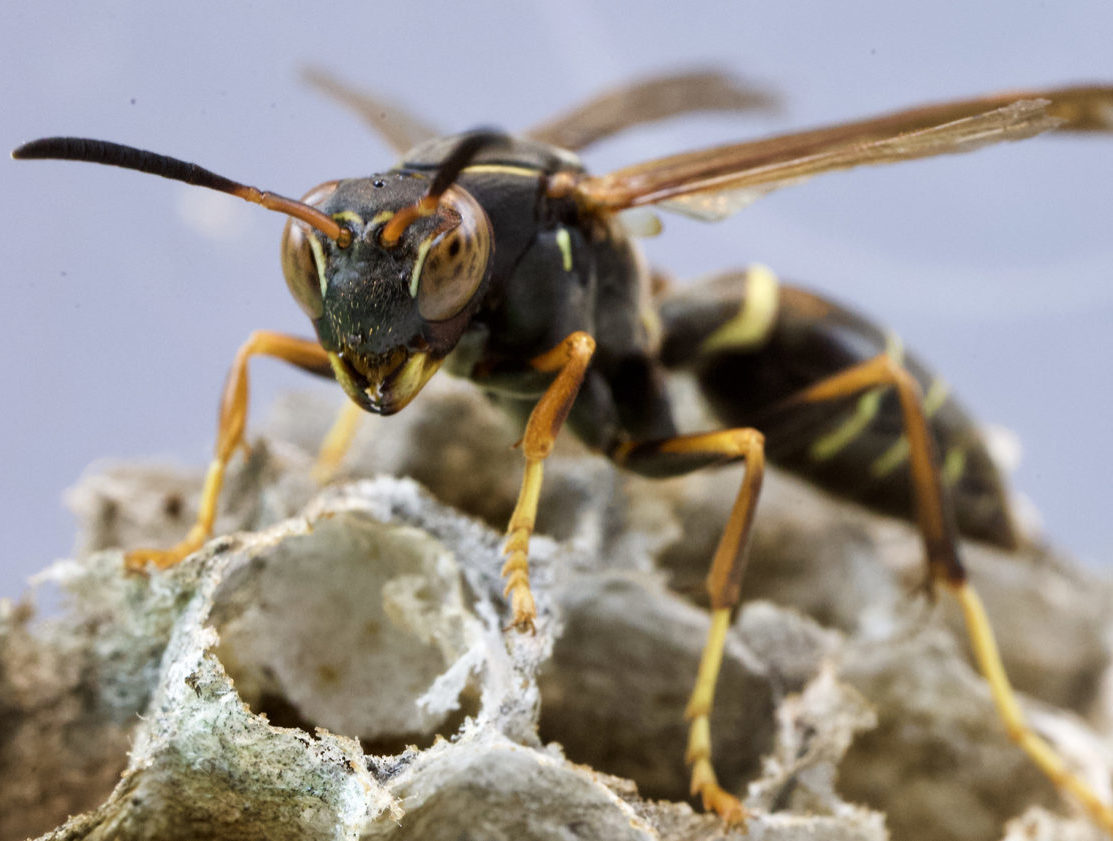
{"type": "Point", "coordinates": [500, 259]}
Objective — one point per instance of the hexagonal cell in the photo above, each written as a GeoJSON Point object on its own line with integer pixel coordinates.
{"type": "Point", "coordinates": [376, 612]}
{"type": "Point", "coordinates": [358, 627]}
{"type": "Point", "coordinates": [613, 694]}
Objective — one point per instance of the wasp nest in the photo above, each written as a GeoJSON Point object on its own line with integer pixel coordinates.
{"type": "Point", "coordinates": [336, 665]}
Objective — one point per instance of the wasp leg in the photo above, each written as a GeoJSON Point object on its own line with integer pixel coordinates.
{"type": "Point", "coordinates": [941, 549]}
{"type": "Point", "coordinates": [570, 360]}
{"type": "Point", "coordinates": [337, 442]}
{"type": "Point", "coordinates": [933, 512]}
{"type": "Point", "coordinates": [305, 354]}
{"type": "Point", "coordinates": [683, 454]}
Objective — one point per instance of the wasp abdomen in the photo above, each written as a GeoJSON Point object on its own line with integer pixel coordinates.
{"type": "Point", "coordinates": [752, 344]}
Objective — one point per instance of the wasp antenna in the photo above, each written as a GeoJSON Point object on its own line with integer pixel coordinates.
{"type": "Point", "coordinates": [470, 145]}
{"type": "Point", "coordinates": [128, 157]}
{"type": "Point", "coordinates": [465, 151]}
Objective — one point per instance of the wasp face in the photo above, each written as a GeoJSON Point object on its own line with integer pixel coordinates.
{"type": "Point", "coordinates": [388, 310]}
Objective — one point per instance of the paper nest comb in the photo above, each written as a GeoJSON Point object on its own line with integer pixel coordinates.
{"type": "Point", "coordinates": [335, 667]}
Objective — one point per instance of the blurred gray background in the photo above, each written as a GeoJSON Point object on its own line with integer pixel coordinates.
{"type": "Point", "coordinates": [125, 296]}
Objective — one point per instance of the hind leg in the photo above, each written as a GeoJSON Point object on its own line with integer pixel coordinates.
{"type": "Point", "coordinates": [941, 550]}
{"type": "Point", "coordinates": [751, 345]}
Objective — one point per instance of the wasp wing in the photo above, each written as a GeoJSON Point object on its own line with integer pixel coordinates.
{"type": "Point", "coordinates": [624, 107]}
{"type": "Point", "coordinates": [650, 100]}
{"type": "Point", "coordinates": [400, 129]}
{"type": "Point", "coordinates": [713, 183]}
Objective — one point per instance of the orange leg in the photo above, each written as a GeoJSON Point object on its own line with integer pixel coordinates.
{"type": "Point", "coordinates": [724, 580]}
{"type": "Point", "coordinates": [941, 550]}
{"type": "Point", "coordinates": [233, 417]}
{"type": "Point", "coordinates": [933, 513]}
{"type": "Point", "coordinates": [570, 360]}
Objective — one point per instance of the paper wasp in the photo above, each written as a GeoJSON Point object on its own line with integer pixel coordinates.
{"type": "Point", "coordinates": [499, 258]}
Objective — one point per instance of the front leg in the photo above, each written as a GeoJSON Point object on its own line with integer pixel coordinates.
{"type": "Point", "coordinates": [570, 359]}
{"type": "Point", "coordinates": [305, 354]}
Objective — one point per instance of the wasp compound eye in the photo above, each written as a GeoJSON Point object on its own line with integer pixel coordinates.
{"type": "Point", "coordinates": [303, 260]}
{"type": "Point", "coordinates": [453, 260]}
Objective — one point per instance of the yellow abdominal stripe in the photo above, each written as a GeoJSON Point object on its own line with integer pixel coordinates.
{"type": "Point", "coordinates": [755, 317]}
{"type": "Point", "coordinates": [349, 216]}
{"type": "Point", "coordinates": [897, 454]}
{"type": "Point", "coordinates": [829, 445]}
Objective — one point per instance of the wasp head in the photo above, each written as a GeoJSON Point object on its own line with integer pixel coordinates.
{"type": "Point", "coordinates": [390, 305]}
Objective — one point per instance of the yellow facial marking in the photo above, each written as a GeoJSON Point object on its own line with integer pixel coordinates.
{"type": "Point", "coordinates": [381, 218]}
{"type": "Point", "coordinates": [349, 216]}
{"type": "Point", "coordinates": [341, 373]}
{"type": "Point", "coordinates": [415, 274]}
{"type": "Point", "coordinates": [319, 259]}
{"type": "Point", "coordinates": [564, 243]}
{"type": "Point", "coordinates": [755, 319]}
{"type": "Point", "coordinates": [415, 372]}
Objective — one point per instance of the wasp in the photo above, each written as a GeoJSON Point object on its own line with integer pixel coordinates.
{"type": "Point", "coordinates": [499, 258]}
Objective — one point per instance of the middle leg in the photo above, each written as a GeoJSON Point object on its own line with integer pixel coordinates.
{"type": "Point", "coordinates": [683, 454]}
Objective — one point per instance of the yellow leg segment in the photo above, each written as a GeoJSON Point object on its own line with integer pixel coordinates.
{"type": "Point", "coordinates": [1041, 753]}
{"type": "Point", "coordinates": [570, 360]}
{"type": "Point", "coordinates": [516, 568]}
{"type": "Point", "coordinates": [138, 559]}
{"type": "Point", "coordinates": [724, 586]}
{"type": "Point", "coordinates": [698, 712]}
{"type": "Point", "coordinates": [337, 442]}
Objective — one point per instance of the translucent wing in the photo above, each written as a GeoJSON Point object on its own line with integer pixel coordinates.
{"type": "Point", "coordinates": [649, 100]}
{"type": "Point", "coordinates": [393, 123]}
{"type": "Point", "coordinates": [640, 102]}
{"type": "Point", "coordinates": [713, 183]}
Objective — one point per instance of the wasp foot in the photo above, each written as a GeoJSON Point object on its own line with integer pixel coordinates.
{"type": "Point", "coordinates": [714, 798]}
{"type": "Point", "coordinates": [516, 573]}
{"type": "Point", "coordinates": [138, 560]}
